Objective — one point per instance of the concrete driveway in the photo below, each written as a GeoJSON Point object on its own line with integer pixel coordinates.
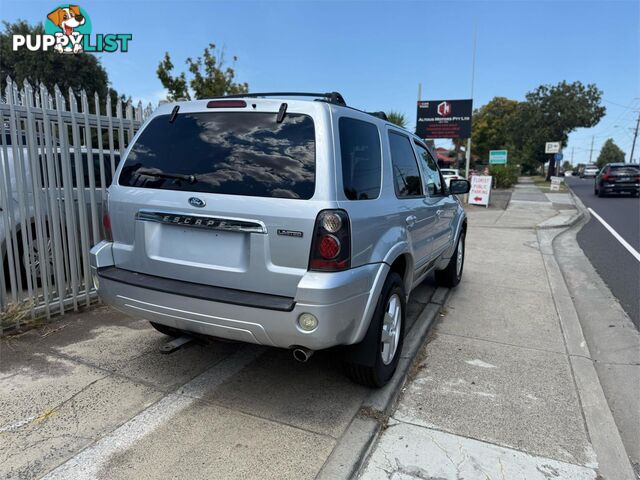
{"type": "Point", "coordinates": [91, 396]}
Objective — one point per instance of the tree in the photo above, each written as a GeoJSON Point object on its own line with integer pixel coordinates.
{"type": "Point", "coordinates": [551, 113]}
{"type": "Point", "coordinates": [610, 153]}
{"type": "Point", "coordinates": [566, 166]}
{"type": "Point", "coordinates": [490, 129]}
{"type": "Point", "coordinates": [209, 76]}
{"type": "Point", "coordinates": [397, 118]}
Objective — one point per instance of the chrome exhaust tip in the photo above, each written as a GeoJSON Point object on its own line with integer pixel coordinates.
{"type": "Point", "coordinates": [302, 354]}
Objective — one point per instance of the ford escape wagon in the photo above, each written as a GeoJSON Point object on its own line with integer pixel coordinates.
{"type": "Point", "coordinates": [298, 223]}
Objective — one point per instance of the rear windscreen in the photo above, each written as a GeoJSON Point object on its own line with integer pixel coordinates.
{"type": "Point", "coordinates": [625, 169]}
{"type": "Point", "coordinates": [235, 153]}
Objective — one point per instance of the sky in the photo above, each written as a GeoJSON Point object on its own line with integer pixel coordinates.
{"type": "Point", "coordinates": [376, 53]}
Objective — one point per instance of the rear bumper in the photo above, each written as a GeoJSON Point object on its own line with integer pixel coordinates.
{"type": "Point", "coordinates": [620, 187]}
{"type": "Point", "coordinates": [343, 303]}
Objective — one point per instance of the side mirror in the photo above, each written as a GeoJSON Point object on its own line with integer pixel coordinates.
{"type": "Point", "coordinates": [459, 186]}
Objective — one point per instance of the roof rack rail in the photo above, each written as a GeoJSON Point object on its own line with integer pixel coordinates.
{"type": "Point", "coordinates": [331, 97]}
{"type": "Point", "coordinates": [381, 115]}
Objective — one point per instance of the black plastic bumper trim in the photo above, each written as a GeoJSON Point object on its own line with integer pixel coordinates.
{"type": "Point", "coordinates": [198, 290]}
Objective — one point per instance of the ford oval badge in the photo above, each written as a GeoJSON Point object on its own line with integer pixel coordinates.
{"type": "Point", "coordinates": [197, 202]}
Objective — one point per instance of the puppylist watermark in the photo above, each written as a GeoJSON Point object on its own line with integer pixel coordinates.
{"type": "Point", "coordinates": [67, 29]}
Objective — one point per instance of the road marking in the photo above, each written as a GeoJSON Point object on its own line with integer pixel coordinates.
{"type": "Point", "coordinates": [88, 464]}
{"type": "Point", "coordinates": [617, 236]}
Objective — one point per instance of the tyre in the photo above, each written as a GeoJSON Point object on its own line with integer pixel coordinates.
{"type": "Point", "coordinates": [383, 342]}
{"type": "Point", "coordinates": [452, 274]}
{"type": "Point", "coordinates": [169, 331]}
{"type": "Point", "coordinates": [595, 190]}
{"type": "Point", "coordinates": [600, 193]}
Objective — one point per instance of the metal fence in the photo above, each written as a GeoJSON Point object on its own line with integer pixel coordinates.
{"type": "Point", "coordinates": [57, 157]}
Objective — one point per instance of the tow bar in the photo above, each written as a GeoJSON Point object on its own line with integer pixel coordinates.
{"type": "Point", "coordinates": [175, 344]}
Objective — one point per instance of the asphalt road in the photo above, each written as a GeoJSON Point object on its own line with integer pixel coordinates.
{"type": "Point", "coordinates": [616, 265]}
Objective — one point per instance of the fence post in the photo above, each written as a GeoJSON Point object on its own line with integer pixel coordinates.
{"type": "Point", "coordinates": [42, 262]}
{"type": "Point", "coordinates": [90, 170]}
{"type": "Point", "coordinates": [69, 209]}
{"type": "Point", "coordinates": [54, 198]}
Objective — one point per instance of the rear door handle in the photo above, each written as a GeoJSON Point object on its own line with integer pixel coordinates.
{"type": "Point", "coordinates": [411, 220]}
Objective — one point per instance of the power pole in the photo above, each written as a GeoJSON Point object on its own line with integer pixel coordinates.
{"type": "Point", "coordinates": [635, 135]}
{"type": "Point", "coordinates": [591, 151]}
{"type": "Point", "coordinates": [572, 156]}
{"type": "Point", "coordinates": [473, 75]}
{"type": "Point", "coordinates": [420, 91]}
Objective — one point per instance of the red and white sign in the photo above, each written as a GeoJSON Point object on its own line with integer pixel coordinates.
{"type": "Point", "coordinates": [480, 190]}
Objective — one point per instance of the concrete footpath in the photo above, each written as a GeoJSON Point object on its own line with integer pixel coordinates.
{"type": "Point", "coordinates": [506, 387]}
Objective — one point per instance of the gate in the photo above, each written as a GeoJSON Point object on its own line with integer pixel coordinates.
{"type": "Point", "coordinates": [57, 157]}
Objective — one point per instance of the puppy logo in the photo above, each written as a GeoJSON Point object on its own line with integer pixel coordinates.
{"type": "Point", "coordinates": [72, 22]}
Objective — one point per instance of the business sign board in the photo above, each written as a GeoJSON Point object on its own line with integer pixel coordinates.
{"type": "Point", "coordinates": [497, 157]}
{"type": "Point", "coordinates": [480, 190]}
{"type": "Point", "coordinates": [552, 147]}
{"type": "Point", "coordinates": [444, 119]}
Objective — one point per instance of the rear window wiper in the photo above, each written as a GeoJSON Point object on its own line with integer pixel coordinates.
{"type": "Point", "coordinates": [172, 176]}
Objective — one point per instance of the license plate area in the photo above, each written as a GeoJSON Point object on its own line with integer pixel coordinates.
{"type": "Point", "coordinates": [203, 248]}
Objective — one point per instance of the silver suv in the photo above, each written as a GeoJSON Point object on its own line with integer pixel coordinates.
{"type": "Point", "coordinates": [300, 224]}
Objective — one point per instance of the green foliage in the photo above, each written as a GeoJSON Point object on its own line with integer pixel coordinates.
{"type": "Point", "coordinates": [491, 127]}
{"type": "Point", "coordinates": [77, 72]}
{"type": "Point", "coordinates": [549, 113]}
{"type": "Point", "coordinates": [397, 118]}
{"type": "Point", "coordinates": [566, 166]}
{"type": "Point", "coordinates": [610, 153]}
{"type": "Point", "coordinates": [504, 175]}
{"type": "Point", "coordinates": [209, 76]}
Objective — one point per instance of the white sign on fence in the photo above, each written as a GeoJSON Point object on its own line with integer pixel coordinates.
{"type": "Point", "coordinates": [480, 190]}
{"type": "Point", "coordinates": [552, 147]}
{"type": "Point", "coordinates": [555, 183]}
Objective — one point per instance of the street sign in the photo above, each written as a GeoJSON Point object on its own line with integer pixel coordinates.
{"type": "Point", "coordinates": [552, 147]}
{"type": "Point", "coordinates": [480, 190]}
{"type": "Point", "coordinates": [557, 157]}
{"type": "Point", "coordinates": [555, 183]}
{"type": "Point", "coordinates": [444, 119]}
{"type": "Point", "coordinates": [497, 157]}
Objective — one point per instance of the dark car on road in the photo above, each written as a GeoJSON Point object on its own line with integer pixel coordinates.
{"type": "Point", "coordinates": [618, 178]}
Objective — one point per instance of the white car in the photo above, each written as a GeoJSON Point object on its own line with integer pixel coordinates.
{"type": "Point", "coordinates": [450, 174]}
{"type": "Point", "coordinates": [590, 171]}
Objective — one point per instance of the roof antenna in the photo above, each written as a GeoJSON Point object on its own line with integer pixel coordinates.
{"type": "Point", "coordinates": [174, 113]}
{"type": "Point", "coordinates": [281, 113]}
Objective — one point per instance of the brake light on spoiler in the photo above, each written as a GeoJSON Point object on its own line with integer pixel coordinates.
{"type": "Point", "coordinates": [226, 104]}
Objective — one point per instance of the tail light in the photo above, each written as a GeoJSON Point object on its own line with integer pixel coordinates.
{"type": "Point", "coordinates": [106, 221]}
{"type": "Point", "coordinates": [331, 243]}
{"type": "Point", "coordinates": [606, 177]}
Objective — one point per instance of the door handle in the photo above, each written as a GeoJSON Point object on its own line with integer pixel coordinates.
{"type": "Point", "coordinates": [439, 212]}
{"type": "Point", "coordinates": [411, 220]}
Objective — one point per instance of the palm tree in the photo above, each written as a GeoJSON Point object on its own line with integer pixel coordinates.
{"type": "Point", "coordinates": [398, 118]}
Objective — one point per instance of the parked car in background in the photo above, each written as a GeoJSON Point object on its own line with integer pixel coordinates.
{"type": "Point", "coordinates": [19, 216]}
{"type": "Point", "coordinates": [450, 174]}
{"type": "Point", "coordinates": [618, 178]}
{"type": "Point", "coordinates": [590, 170]}
{"type": "Point", "coordinates": [237, 218]}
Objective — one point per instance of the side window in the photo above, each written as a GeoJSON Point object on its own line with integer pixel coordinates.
{"type": "Point", "coordinates": [433, 179]}
{"type": "Point", "coordinates": [405, 169]}
{"type": "Point", "coordinates": [361, 159]}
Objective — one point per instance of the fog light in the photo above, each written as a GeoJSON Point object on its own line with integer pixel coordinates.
{"type": "Point", "coordinates": [307, 322]}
